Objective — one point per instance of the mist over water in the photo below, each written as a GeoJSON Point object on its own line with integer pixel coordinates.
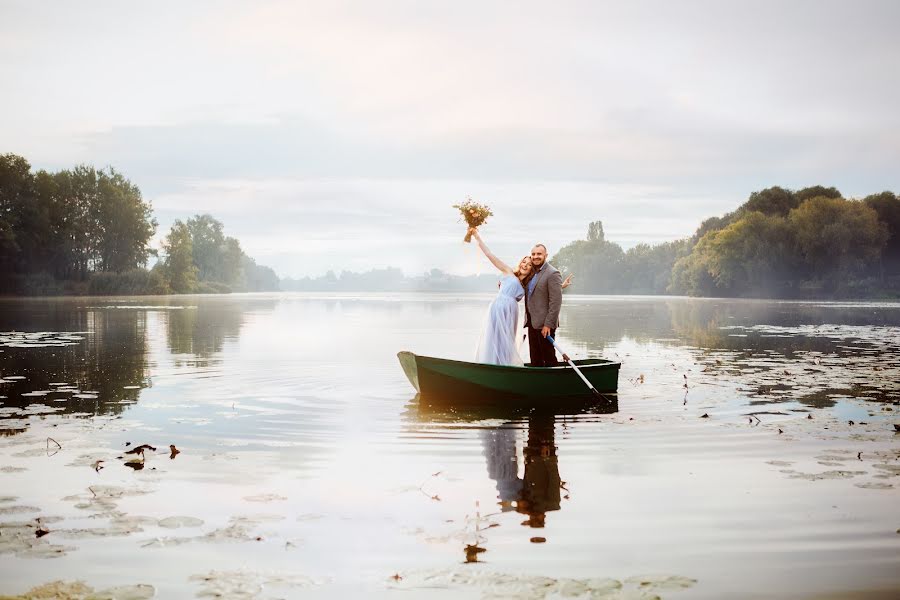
{"type": "Point", "coordinates": [751, 452]}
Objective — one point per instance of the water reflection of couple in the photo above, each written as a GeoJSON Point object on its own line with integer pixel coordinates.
{"type": "Point", "coordinates": [541, 285]}
{"type": "Point", "coordinates": [538, 491]}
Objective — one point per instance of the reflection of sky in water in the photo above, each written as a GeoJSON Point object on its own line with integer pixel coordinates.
{"type": "Point", "coordinates": [297, 402]}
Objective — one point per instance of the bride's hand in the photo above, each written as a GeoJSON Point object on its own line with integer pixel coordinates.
{"type": "Point", "coordinates": [473, 231]}
{"type": "Point", "coordinates": [567, 281]}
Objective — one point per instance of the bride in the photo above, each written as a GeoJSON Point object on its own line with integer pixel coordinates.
{"type": "Point", "coordinates": [498, 341]}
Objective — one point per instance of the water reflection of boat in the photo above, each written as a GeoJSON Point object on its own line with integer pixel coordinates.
{"type": "Point", "coordinates": [438, 379]}
{"type": "Point", "coordinates": [538, 489]}
{"type": "Point", "coordinates": [541, 483]}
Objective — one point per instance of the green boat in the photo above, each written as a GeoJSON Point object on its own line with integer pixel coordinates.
{"type": "Point", "coordinates": [464, 382]}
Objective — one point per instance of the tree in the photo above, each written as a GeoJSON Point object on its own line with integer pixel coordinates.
{"type": "Point", "coordinates": [56, 258]}
{"type": "Point", "coordinates": [647, 269]}
{"type": "Point", "coordinates": [232, 264]}
{"type": "Point", "coordinates": [837, 238]}
{"type": "Point", "coordinates": [74, 225]}
{"type": "Point", "coordinates": [816, 191]}
{"type": "Point", "coordinates": [596, 261]}
{"type": "Point", "coordinates": [259, 278]}
{"type": "Point", "coordinates": [220, 263]}
{"type": "Point", "coordinates": [16, 191]}
{"type": "Point", "coordinates": [208, 242]}
{"type": "Point", "coordinates": [750, 256]}
{"type": "Point", "coordinates": [179, 262]}
{"type": "Point", "coordinates": [887, 205]}
{"type": "Point", "coordinates": [690, 273]}
{"type": "Point", "coordinates": [713, 224]}
{"type": "Point", "coordinates": [771, 201]}
{"type": "Point", "coordinates": [125, 223]}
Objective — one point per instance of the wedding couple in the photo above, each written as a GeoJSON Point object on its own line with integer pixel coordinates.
{"type": "Point", "coordinates": [541, 285]}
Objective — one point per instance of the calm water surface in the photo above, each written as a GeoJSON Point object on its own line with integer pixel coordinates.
{"type": "Point", "coordinates": [751, 454]}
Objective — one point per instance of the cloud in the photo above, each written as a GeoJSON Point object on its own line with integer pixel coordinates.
{"type": "Point", "coordinates": [336, 135]}
{"type": "Point", "coordinates": [311, 226]}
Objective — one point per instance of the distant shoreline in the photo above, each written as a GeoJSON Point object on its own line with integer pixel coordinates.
{"type": "Point", "coordinates": [438, 292]}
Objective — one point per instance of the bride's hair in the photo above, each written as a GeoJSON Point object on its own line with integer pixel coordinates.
{"type": "Point", "coordinates": [518, 270]}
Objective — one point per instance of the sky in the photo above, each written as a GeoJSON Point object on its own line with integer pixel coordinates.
{"type": "Point", "coordinates": [337, 135]}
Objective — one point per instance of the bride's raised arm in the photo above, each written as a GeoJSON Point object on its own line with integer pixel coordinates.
{"type": "Point", "coordinates": [490, 255]}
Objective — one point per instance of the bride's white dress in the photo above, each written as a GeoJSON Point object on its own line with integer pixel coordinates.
{"type": "Point", "coordinates": [498, 340]}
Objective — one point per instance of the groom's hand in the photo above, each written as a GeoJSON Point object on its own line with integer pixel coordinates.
{"type": "Point", "coordinates": [545, 331]}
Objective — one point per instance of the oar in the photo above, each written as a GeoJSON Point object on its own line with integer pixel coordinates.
{"type": "Point", "coordinates": [577, 370]}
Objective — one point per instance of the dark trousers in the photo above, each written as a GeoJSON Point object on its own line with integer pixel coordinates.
{"type": "Point", "coordinates": [543, 354]}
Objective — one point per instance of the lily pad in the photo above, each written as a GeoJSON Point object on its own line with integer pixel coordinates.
{"type": "Point", "coordinates": [78, 590]}
{"type": "Point", "coordinates": [265, 498]}
{"type": "Point", "coordinates": [662, 582]}
{"type": "Point", "coordinates": [246, 585]}
{"type": "Point", "coordinates": [177, 522]}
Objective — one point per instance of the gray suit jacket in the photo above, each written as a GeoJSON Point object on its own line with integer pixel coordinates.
{"type": "Point", "coordinates": [543, 304]}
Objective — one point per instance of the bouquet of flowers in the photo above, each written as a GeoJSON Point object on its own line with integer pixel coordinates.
{"type": "Point", "coordinates": [474, 215]}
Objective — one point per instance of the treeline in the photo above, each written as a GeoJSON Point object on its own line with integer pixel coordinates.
{"type": "Point", "coordinates": [88, 231]}
{"type": "Point", "coordinates": [391, 280]}
{"type": "Point", "coordinates": [603, 267]}
{"type": "Point", "coordinates": [66, 226]}
{"type": "Point", "coordinates": [780, 243]}
{"type": "Point", "coordinates": [200, 258]}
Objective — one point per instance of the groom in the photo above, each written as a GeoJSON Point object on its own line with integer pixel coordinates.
{"type": "Point", "coordinates": [543, 300]}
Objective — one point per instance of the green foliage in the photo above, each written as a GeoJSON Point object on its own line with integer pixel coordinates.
{"type": "Point", "coordinates": [779, 243]}
{"type": "Point", "coordinates": [17, 212]}
{"type": "Point", "coordinates": [200, 258]}
{"type": "Point", "coordinates": [258, 278]}
{"type": "Point", "coordinates": [887, 205]}
{"type": "Point", "coordinates": [40, 284]}
{"type": "Point", "coordinates": [648, 269]}
{"type": "Point", "coordinates": [595, 232]}
{"type": "Point", "coordinates": [691, 274]}
{"type": "Point", "coordinates": [771, 201]}
{"type": "Point", "coordinates": [835, 238]}
{"type": "Point", "coordinates": [825, 244]}
{"type": "Point", "coordinates": [217, 258]}
{"type": "Point", "coordinates": [602, 267]}
{"type": "Point", "coordinates": [774, 201]}
{"type": "Point", "coordinates": [749, 254]}
{"type": "Point", "coordinates": [212, 287]}
{"type": "Point", "coordinates": [816, 191]}
{"type": "Point", "coordinates": [595, 261]}
{"type": "Point", "coordinates": [126, 223]}
{"type": "Point", "coordinates": [712, 224]}
{"type": "Point", "coordinates": [71, 223]}
{"type": "Point", "coordinates": [178, 265]}
{"type": "Point", "coordinates": [93, 226]}
{"type": "Point", "coordinates": [127, 283]}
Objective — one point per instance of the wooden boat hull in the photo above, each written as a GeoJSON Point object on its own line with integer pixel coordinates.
{"type": "Point", "coordinates": [465, 382]}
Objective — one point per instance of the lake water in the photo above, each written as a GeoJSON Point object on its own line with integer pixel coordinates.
{"type": "Point", "coordinates": [752, 453]}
